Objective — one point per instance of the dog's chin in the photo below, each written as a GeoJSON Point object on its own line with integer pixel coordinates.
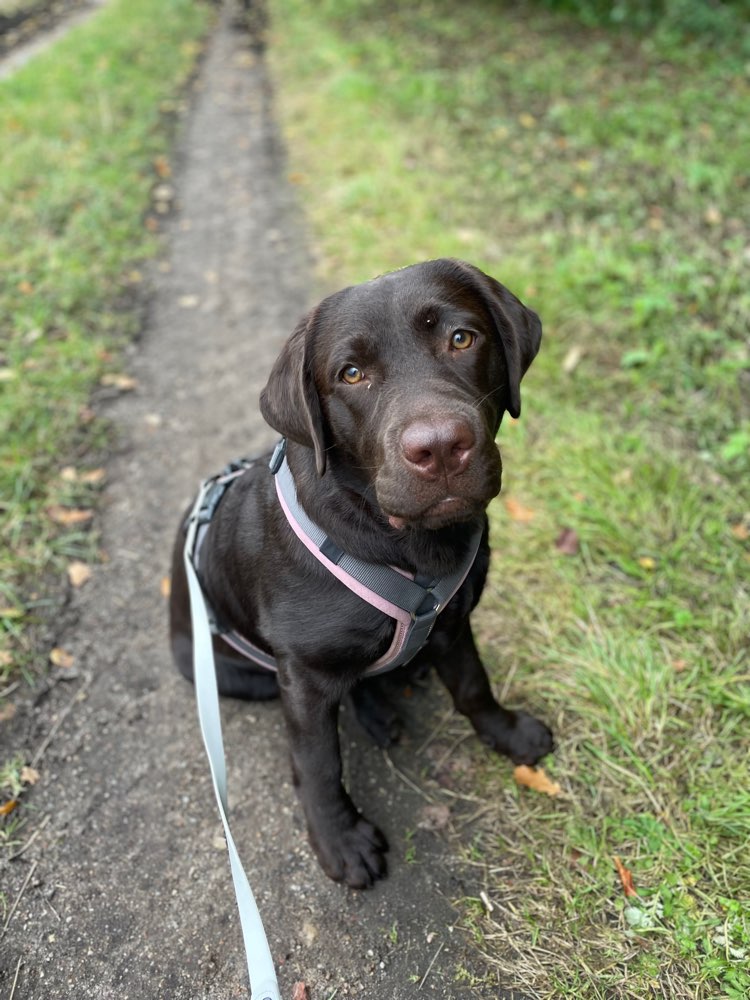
{"type": "Point", "coordinates": [449, 510]}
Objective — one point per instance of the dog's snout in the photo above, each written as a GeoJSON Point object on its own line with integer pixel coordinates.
{"type": "Point", "coordinates": [438, 448]}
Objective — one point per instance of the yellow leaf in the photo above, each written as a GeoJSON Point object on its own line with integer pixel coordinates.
{"type": "Point", "coordinates": [78, 573]}
{"type": "Point", "coordinates": [517, 510]}
{"type": "Point", "coordinates": [125, 383]}
{"type": "Point", "coordinates": [536, 779]}
{"type": "Point", "coordinates": [59, 657]}
{"type": "Point", "coordinates": [11, 612]}
{"type": "Point", "coordinates": [646, 562]}
{"type": "Point", "coordinates": [8, 807]}
{"type": "Point", "coordinates": [68, 516]}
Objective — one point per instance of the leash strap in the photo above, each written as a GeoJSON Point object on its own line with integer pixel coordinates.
{"type": "Point", "coordinates": [263, 983]}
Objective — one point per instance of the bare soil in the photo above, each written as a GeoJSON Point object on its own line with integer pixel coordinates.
{"type": "Point", "coordinates": [124, 890]}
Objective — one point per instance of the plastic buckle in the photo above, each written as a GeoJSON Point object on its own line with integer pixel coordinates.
{"type": "Point", "coordinates": [277, 459]}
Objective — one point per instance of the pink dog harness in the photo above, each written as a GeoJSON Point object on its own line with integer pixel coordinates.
{"type": "Point", "coordinates": [414, 603]}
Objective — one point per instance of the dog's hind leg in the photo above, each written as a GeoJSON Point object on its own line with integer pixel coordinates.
{"type": "Point", "coordinates": [375, 711]}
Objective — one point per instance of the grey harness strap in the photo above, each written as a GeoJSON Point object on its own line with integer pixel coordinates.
{"type": "Point", "coordinates": [414, 604]}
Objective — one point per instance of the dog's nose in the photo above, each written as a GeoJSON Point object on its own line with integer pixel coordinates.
{"type": "Point", "coordinates": [438, 448]}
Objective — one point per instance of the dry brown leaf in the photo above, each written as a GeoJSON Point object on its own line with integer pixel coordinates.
{"type": "Point", "coordinates": [29, 775]}
{"type": "Point", "coordinates": [78, 573]}
{"type": "Point", "coordinates": [301, 992]}
{"type": "Point", "coordinates": [125, 383]}
{"type": "Point", "coordinates": [626, 877]}
{"type": "Point", "coordinates": [93, 477]}
{"type": "Point", "coordinates": [740, 531]}
{"type": "Point", "coordinates": [567, 542]}
{"type": "Point", "coordinates": [60, 657]}
{"type": "Point", "coordinates": [68, 516]}
{"type": "Point", "coordinates": [7, 711]}
{"type": "Point", "coordinates": [435, 817]}
{"type": "Point", "coordinates": [8, 807]}
{"type": "Point", "coordinates": [536, 779]}
{"type": "Point", "coordinates": [517, 510]}
{"type": "Point", "coordinates": [165, 586]}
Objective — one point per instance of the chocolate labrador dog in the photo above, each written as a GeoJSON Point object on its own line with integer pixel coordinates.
{"type": "Point", "coordinates": [389, 395]}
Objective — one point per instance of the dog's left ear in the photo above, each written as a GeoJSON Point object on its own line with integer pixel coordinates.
{"type": "Point", "coordinates": [289, 402]}
{"type": "Point", "coordinates": [519, 329]}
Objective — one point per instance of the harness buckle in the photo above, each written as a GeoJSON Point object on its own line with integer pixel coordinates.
{"type": "Point", "coordinates": [277, 459]}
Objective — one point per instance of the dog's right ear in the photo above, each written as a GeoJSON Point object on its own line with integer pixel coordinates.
{"type": "Point", "coordinates": [289, 402]}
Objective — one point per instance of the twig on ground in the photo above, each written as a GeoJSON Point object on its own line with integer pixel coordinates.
{"type": "Point", "coordinates": [15, 978]}
{"type": "Point", "coordinates": [31, 839]}
{"type": "Point", "coordinates": [18, 898]}
{"type": "Point", "coordinates": [60, 719]}
{"type": "Point", "coordinates": [436, 731]}
{"type": "Point", "coordinates": [407, 781]}
{"type": "Point", "coordinates": [429, 967]}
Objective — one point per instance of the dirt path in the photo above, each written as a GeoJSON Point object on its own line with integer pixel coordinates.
{"type": "Point", "coordinates": [125, 891]}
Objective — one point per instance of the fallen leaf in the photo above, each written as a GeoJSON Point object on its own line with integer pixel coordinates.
{"type": "Point", "coordinates": [301, 992]}
{"type": "Point", "coordinates": [29, 775]}
{"type": "Point", "coordinates": [59, 657]}
{"type": "Point", "coordinates": [68, 516]}
{"type": "Point", "coordinates": [118, 380]}
{"type": "Point", "coordinates": [93, 477]}
{"type": "Point", "coordinates": [567, 542]}
{"type": "Point", "coordinates": [7, 711]}
{"type": "Point", "coordinates": [165, 586]}
{"type": "Point", "coordinates": [740, 531]}
{"type": "Point", "coordinates": [434, 817]}
{"type": "Point", "coordinates": [8, 807]}
{"type": "Point", "coordinates": [536, 779]}
{"type": "Point", "coordinates": [572, 359]}
{"type": "Point", "coordinates": [162, 167]}
{"type": "Point", "coordinates": [517, 510]}
{"type": "Point", "coordinates": [78, 573]}
{"type": "Point", "coordinates": [626, 878]}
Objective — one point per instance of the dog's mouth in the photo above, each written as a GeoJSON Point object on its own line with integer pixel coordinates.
{"type": "Point", "coordinates": [447, 511]}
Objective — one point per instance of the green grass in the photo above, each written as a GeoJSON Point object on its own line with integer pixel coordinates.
{"type": "Point", "coordinates": [603, 177]}
{"type": "Point", "coordinates": [86, 127]}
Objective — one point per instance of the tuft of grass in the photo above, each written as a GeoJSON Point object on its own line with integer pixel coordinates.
{"type": "Point", "coordinates": [87, 127]}
{"type": "Point", "coordinates": [604, 179]}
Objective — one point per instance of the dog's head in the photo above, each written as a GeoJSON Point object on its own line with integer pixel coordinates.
{"type": "Point", "coordinates": [403, 382]}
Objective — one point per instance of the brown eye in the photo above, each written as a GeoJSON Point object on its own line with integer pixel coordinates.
{"type": "Point", "coordinates": [461, 339]}
{"type": "Point", "coordinates": [351, 375]}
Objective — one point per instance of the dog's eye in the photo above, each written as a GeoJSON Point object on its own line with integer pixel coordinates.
{"type": "Point", "coordinates": [351, 375]}
{"type": "Point", "coordinates": [461, 339]}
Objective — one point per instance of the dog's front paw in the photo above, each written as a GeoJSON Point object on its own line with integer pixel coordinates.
{"type": "Point", "coordinates": [354, 854]}
{"type": "Point", "coordinates": [522, 738]}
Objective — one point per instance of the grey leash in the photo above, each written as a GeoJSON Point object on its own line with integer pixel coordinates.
{"type": "Point", "coordinates": [263, 984]}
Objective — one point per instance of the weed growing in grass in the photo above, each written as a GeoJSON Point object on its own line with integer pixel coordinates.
{"type": "Point", "coordinates": [603, 178]}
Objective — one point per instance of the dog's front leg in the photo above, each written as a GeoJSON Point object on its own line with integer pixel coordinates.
{"type": "Point", "coordinates": [349, 848]}
{"type": "Point", "coordinates": [518, 735]}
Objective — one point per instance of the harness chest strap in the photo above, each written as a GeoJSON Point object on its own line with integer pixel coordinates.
{"type": "Point", "coordinates": [413, 603]}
